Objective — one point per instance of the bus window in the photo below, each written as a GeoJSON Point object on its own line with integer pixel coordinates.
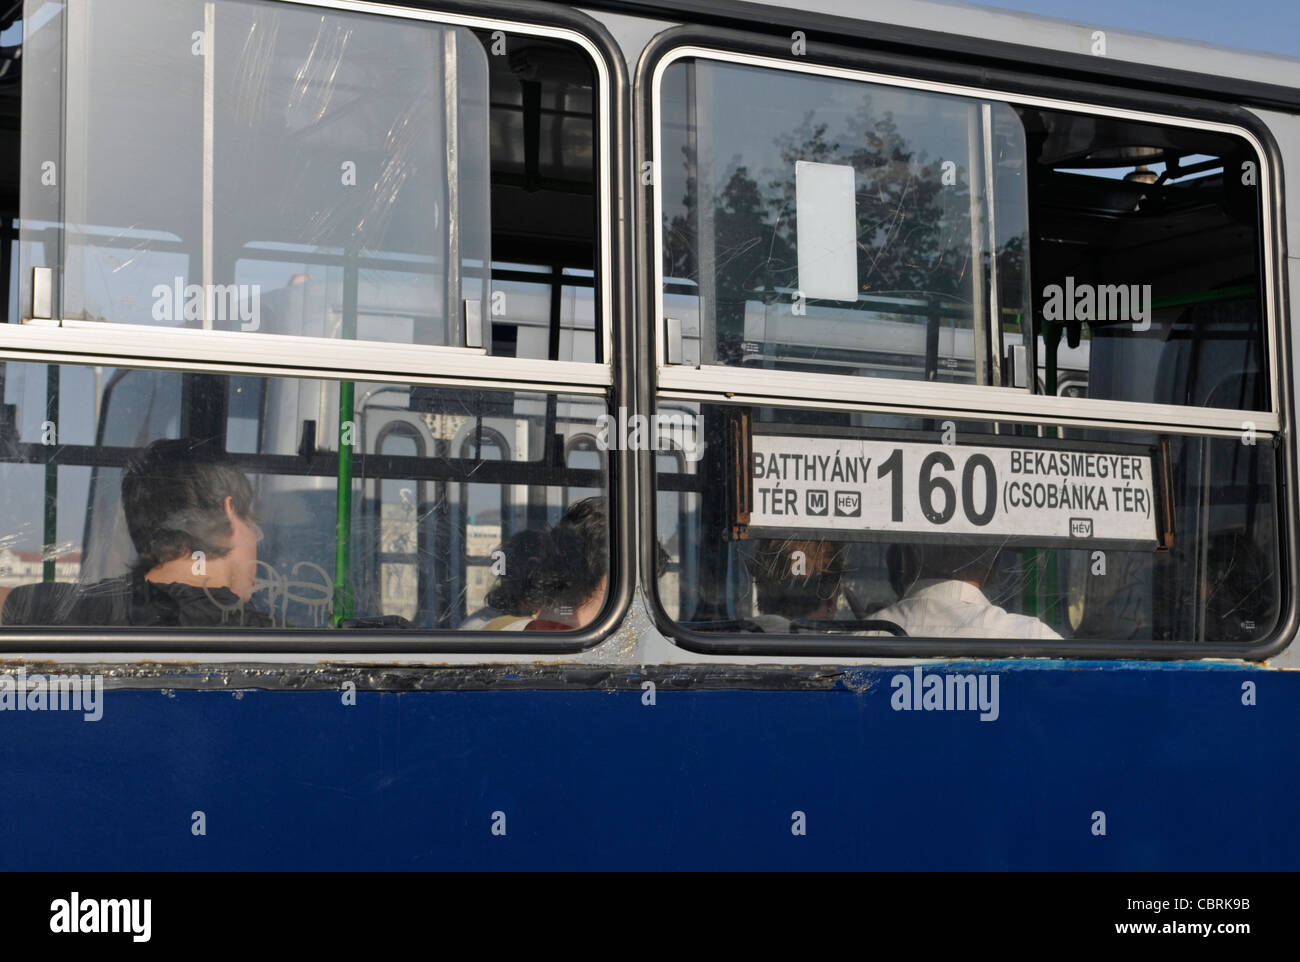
{"type": "Point", "coordinates": [1173, 283]}
{"type": "Point", "coordinates": [317, 236]}
{"type": "Point", "coordinates": [930, 213]}
{"type": "Point", "coordinates": [332, 175]}
{"type": "Point", "coordinates": [202, 133]}
{"type": "Point", "coordinates": [1041, 268]}
{"type": "Point", "coordinates": [215, 501]}
{"type": "Point", "coordinates": [994, 531]}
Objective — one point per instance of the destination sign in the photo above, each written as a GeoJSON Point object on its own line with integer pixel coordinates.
{"type": "Point", "coordinates": [846, 485]}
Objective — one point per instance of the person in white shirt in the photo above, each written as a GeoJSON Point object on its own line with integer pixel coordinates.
{"type": "Point", "coordinates": [940, 596]}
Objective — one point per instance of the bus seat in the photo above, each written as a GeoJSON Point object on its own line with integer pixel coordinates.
{"type": "Point", "coordinates": [43, 603]}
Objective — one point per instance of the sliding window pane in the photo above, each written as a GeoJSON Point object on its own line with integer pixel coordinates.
{"type": "Point", "coordinates": [161, 499]}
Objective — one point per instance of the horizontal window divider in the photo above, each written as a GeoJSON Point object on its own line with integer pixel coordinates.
{"type": "Point", "coordinates": [323, 463]}
{"type": "Point", "coordinates": [720, 384]}
{"type": "Point", "coordinates": [129, 345]}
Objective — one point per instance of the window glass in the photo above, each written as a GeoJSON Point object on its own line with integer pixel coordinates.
{"type": "Point", "coordinates": [861, 523]}
{"type": "Point", "coordinates": [837, 226]}
{"type": "Point", "coordinates": [486, 509]}
{"type": "Point", "coordinates": [828, 225]}
{"type": "Point", "coordinates": [165, 499]}
{"type": "Point", "coordinates": [269, 167]}
{"type": "Point", "coordinates": [1147, 262]}
{"type": "Point", "coordinates": [672, 573]}
{"type": "Point", "coordinates": [276, 168]}
{"type": "Point", "coordinates": [539, 312]}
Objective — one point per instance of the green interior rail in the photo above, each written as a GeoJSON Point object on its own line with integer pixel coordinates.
{"type": "Point", "coordinates": [347, 438]}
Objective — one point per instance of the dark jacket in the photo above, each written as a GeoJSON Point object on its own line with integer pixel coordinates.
{"type": "Point", "coordinates": [131, 601]}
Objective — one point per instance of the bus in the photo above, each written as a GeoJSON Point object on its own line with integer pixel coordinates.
{"type": "Point", "coordinates": [643, 435]}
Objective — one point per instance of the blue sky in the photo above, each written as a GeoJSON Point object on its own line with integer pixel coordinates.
{"type": "Point", "coordinates": [1269, 25]}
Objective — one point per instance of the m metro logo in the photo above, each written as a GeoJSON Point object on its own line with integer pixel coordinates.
{"type": "Point", "coordinates": [817, 502]}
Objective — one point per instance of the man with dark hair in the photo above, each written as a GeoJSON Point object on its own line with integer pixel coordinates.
{"type": "Point", "coordinates": [190, 517]}
{"type": "Point", "coordinates": [940, 594]}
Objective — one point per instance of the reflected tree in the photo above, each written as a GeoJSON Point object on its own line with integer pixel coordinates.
{"type": "Point", "coordinates": [913, 227]}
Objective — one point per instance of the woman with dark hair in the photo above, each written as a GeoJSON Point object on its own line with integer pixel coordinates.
{"type": "Point", "coordinates": [553, 580]}
{"type": "Point", "coordinates": [519, 592]}
{"type": "Point", "coordinates": [577, 576]}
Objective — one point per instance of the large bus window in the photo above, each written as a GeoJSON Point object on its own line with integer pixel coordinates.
{"type": "Point", "coordinates": [876, 525]}
{"type": "Point", "coordinates": [276, 168]}
{"type": "Point", "coordinates": [348, 153]}
{"type": "Point", "coordinates": [156, 499]}
{"type": "Point", "coordinates": [843, 225]}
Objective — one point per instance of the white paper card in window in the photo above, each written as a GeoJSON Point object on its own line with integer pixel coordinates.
{"type": "Point", "coordinates": [827, 229]}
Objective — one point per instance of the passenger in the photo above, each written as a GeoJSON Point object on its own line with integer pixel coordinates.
{"type": "Point", "coordinates": [190, 517]}
{"type": "Point", "coordinates": [940, 589]}
{"type": "Point", "coordinates": [576, 576]}
{"type": "Point", "coordinates": [519, 593]}
{"type": "Point", "coordinates": [795, 579]}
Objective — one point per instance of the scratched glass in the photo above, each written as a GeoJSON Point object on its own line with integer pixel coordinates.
{"type": "Point", "coordinates": [1142, 240]}
{"type": "Point", "coordinates": [263, 167]}
{"type": "Point", "coordinates": [784, 563]}
{"type": "Point", "coordinates": [453, 493]}
{"type": "Point", "coordinates": [737, 262]}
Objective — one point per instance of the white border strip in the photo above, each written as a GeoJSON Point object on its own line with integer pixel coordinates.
{"type": "Point", "coordinates": [136, 345]}
{"type": "Point", "coordinates": [777, 388]}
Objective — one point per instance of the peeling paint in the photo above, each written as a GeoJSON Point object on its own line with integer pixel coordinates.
{"type": "Point", "coordinates": [170, 678]}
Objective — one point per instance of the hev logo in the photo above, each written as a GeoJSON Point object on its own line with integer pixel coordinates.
{"type": "Point", "coordinates": [1081, 527]}
{"type": "Point", "coordinates": [848, 504]}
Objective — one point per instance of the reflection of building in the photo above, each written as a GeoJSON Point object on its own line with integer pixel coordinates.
{"type": "Point", "coordinates": [398, 545]}
{"type": "Point", "coordinates": [480, 541]}
{"type": "Point", "coordinates": [479, 580]}
{"type": "Point", "coordinates": [26, 567]}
